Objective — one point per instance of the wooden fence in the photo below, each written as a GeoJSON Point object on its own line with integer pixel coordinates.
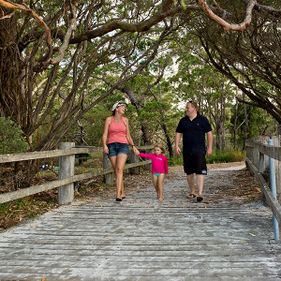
{"type": "Point", "coordinates": [257, 160]}
{"type": "Point", "coordinates": [66, 154]}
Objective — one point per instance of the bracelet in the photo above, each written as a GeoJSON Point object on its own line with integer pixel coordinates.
{"type": "Point", "coordinates": [132, 145]}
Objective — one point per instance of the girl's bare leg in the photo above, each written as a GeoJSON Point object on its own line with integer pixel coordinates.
{"type": "Point", "coordinates": [155, 184]}
{"type": "Point", "coordinates": [161, 187]}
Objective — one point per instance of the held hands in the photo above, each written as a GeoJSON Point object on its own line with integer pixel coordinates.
{"type": "Point", "coordinates": [105, 149]}
{"type": "Point", "coordinates": [136, 151]}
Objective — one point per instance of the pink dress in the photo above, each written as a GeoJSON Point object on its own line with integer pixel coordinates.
{"type": "Point", "coordinates": [159, 163]}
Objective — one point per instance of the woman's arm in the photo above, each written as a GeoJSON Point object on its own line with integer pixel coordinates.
{"type": "Point", "coordinates": [105, 134]}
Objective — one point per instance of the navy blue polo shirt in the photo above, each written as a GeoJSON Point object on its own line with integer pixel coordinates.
{"type": "Point", "coordinates": [193, 133]}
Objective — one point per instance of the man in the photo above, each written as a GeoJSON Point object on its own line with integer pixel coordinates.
{"type": "Point", "coordinates": [192, 129]}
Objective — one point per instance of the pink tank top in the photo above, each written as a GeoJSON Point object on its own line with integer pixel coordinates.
{"type": "Point", "coordinates": [117, 131]}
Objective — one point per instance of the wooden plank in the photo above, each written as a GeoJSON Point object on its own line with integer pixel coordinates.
{"type": "Point", "coordinates": [6, 158]}
{"type": "Point", "coordinates": [271, 151]}
{"type": "Point", "coordinates": [7, 197]}
{"type": "Point", "coordinates": [138, 239]}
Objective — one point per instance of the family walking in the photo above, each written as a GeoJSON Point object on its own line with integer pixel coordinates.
{"type": "Point", "coordinates": [191, 129]}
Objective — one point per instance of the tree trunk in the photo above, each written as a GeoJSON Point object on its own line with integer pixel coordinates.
{"type": "Point", "coordinates": [138, 106]}
{"type": "Point", "coordinates": [10, 92]}
{"type": "Point", "coordinates": [168, 140]}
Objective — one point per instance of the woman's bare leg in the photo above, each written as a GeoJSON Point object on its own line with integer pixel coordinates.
{"type": "Point", "coordinates": [119, 171]}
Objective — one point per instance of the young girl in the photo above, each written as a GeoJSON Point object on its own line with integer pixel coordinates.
{"type": "Point", "coordinates": [159, 168]}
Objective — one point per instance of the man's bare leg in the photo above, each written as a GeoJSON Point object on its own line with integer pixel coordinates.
{"type": "Point", "coordinates": [200, 185]}
{"type": "Point", "coordinates": [191, 184]}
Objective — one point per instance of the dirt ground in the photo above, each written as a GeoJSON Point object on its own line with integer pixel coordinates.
{"type": "Point", "coordinates": [225, 182]}
{"type": "Point", "coordinates": [234, 185]}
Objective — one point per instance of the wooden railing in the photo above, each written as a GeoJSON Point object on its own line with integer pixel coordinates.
{"type": "Point", "coordinates": [258, 153]}
{"type": "Point", "coordinates": [66, 179]}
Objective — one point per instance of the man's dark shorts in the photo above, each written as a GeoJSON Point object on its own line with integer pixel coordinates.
{"type": "Point", "coordinates": [116, 148]}
{"type": "Point", "coordinates": [194, 162]}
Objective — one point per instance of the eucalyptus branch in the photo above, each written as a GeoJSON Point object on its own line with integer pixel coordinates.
{"type": "Point", "coordinates": [120, 82]}
{"type": "Point", "coordinates": [268, 9]}
{"type": "Point", "coordinates": [23, 7]}
{"type": "Point", "coordinates": [71, 28]}
{"type": "Point", "coordinates": [226, 25]}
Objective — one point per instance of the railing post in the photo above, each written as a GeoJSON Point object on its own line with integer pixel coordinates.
{"type": "Point", "coordinates": [66, 170]}
{"type": "Point", "coordinates": [277, 142]}
{"type": "Point", "coordinates": [273, 190]}
{"type": "Point", "coordinates": [134, 159]}
{"type": "Point", "coordinates": [108, 178]}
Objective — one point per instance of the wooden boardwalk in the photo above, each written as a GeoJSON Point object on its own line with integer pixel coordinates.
{"type": "Point", "coordinates": [139, 239]}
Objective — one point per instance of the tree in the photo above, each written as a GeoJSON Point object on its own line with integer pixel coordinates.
{"type": "Point", "coordinates": [49, 66]}
{"type": "Point", "coordinates": [249, 59]}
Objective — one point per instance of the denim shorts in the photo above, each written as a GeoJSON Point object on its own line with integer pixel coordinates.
{"type": "Point", "coordinates": [116, 148]}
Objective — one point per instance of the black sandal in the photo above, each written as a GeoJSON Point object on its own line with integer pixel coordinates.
{"type": "Point", "coordinates": [199, 199]}
{"type": "Point", "coordinates": [192, 195]}
{"type": "Point", "coordinates": [119, 199]}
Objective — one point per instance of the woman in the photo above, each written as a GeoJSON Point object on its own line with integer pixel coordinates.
{"type": "Point", "coordinates": [116, 139]}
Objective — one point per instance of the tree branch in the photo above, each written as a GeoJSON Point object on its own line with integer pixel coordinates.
{"type": "Point", "coordinates": [230, 26]}
{"type": "Point", "coordinates": [23, 7]}
{"type": "Point", "coordinates": [71, 28]}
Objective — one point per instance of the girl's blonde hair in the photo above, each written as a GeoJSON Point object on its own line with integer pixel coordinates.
{"type": "Point", "coordinates": [159, 146]}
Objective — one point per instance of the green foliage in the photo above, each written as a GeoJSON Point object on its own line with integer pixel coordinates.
{"type": "Point", "coordinates": [175, 161]}
{"type": "Point", "coordinates": [226, 156]}
{"type": "Point", "coordinates": [216, 157]}
{"type": "Point", "coordinates": [248, 121]}
{"type": "Point", "coordinates": [11, 137]}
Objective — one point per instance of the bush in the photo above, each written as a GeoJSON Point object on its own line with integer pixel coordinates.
{"type": "Point", "coordinates": [175, 161]}
{"type": "Point", "coordinates": [226, 156]}
{"type": "Point", "coordinates": [11, 137]}
{"type": "Point", "coordinates": [216, 157]}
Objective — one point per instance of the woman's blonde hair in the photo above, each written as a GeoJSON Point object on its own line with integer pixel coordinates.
{"type": "Point", "coordinates": [159, 146]}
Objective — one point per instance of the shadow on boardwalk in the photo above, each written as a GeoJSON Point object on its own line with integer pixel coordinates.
{"type": "Point", "coordinates": [227, 237]}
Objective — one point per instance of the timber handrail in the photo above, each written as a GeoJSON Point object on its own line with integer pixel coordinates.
{"type": "Point", "coordinates": [63, 181]}
{"type": "Point", "coordinates": [255, 160]}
